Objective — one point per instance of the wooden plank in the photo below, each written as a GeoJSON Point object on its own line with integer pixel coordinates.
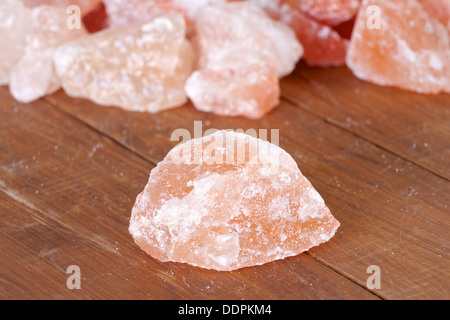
{"type": "Point", "coordinates": [393, 213]}
{"type": "Point", "coordinates": [414, 126]}
{"type": "Point", "coordinates": [66, 193]}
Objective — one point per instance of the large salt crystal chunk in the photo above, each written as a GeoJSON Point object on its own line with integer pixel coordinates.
{"type": "Point", "coordinates": [323, 46]}
{"type": "Point", "coordinates": [403, 47]}
{"type": "Point", "coordinates": [227, 201]}
{"type": "Point", "coordinates": [139, 68]}
{"type": "Point", "coordinates": [241, 53]}
{"type": "Point", "coordinates": [15, 25]}
{"type": "Point", "coordinates": [33, 76]}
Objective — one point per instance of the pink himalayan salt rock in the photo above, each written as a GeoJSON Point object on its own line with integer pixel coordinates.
{"type": "Point", "coordinates": [33, 76]}
{"type": "Point", "coordinates": [15, 25]}
{"type": "Point", "coordinates": [323, 46]}
{"type": "Point", "coordinates": [138, 68]}
{"type": "Point", "coordinates": [410, 50]}
{"type": "Point", "coordinates": [330, 12]}
{"type": "Point", "coordinates": [241, 55]}
{"type": "Point", "coordinates": [244, 90]}
{"type": "Point", "coordinates": [85, 5]}
{"type": "Point", "coordinates": [228, 201]}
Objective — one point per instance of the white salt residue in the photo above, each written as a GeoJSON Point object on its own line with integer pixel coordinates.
{"type": "Point", "coordinates": [160, 24]}
{"type": "Point", "coordinates": [284, 177]}
{"type": "Point", "coordinates": [279, 253]}
{"type": "Point", "coordinates": [94, 149]}
{"type": "Point", "coordinates": [315, 195]}
{"type": "Point", "coordinates": [435, 62]}
{"type": "Point", "coordinates": [310, 205]}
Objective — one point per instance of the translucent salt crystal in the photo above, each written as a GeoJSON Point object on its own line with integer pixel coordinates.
{"type": "Point", "coordinates": [85, 5]}
{"type": "Point", "coordinates": [330, 12]}
{"type": "Point", "coordinates": [405, 48]}
{"type": "Point", "coordinates": [323, 46]}
{"type": "Point", "coordinates": [139, 68]}
{"type": "Point", "coordinates": [15, 25]}
{"type": "Point", "coordinates": [128, 12]}
{"type": "Point", "coordinates": [439, 9]}
{"type": "Point", "coordinates": [33, 36]}
{"type": "Point", "coordinates": [227, 201]}
{"type": "Point", "coordinates": [241, 55]}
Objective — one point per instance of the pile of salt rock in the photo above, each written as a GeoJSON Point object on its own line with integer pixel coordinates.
{"type": "Point", "coordinates": [225, 56]}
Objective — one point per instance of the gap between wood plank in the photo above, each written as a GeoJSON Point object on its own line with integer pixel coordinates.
{"type": "Point", "coordinates": [296, 105]}
{"type": "Point", "coordinates": [348, 277]}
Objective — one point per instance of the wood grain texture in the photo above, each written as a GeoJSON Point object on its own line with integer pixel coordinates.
{"type": "Point", "coordinates": [66, 193]}
{"type": "Point", "coordinates": [393, 205]}
{"type": "Point", "coordinates": [410, 125]}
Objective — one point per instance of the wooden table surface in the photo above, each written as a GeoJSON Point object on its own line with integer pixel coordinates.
{"type": "Point", "coordinates": [70, 171]}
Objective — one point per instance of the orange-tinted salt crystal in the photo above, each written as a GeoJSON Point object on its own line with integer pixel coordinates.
{"type": "Point", "coordinates": [227, 201]}
{"type": "Point", "coordinates": [407, 48]}
{"type": "Point", "coordinates": [330, 12]}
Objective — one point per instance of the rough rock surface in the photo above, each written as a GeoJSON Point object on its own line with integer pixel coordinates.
{"type": "Point", "coordinates": [127, 12]}
{"type": "Point", "coordinates": [323, 46]}
{"type": "Point", "coordinates": [410, 49]}
{"type": "Point", "coordinates": [139, 68]}
{"type": "Point", "coordinates": [228, 201]}
{"type": "Point", "coordinates": [85, 5]}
